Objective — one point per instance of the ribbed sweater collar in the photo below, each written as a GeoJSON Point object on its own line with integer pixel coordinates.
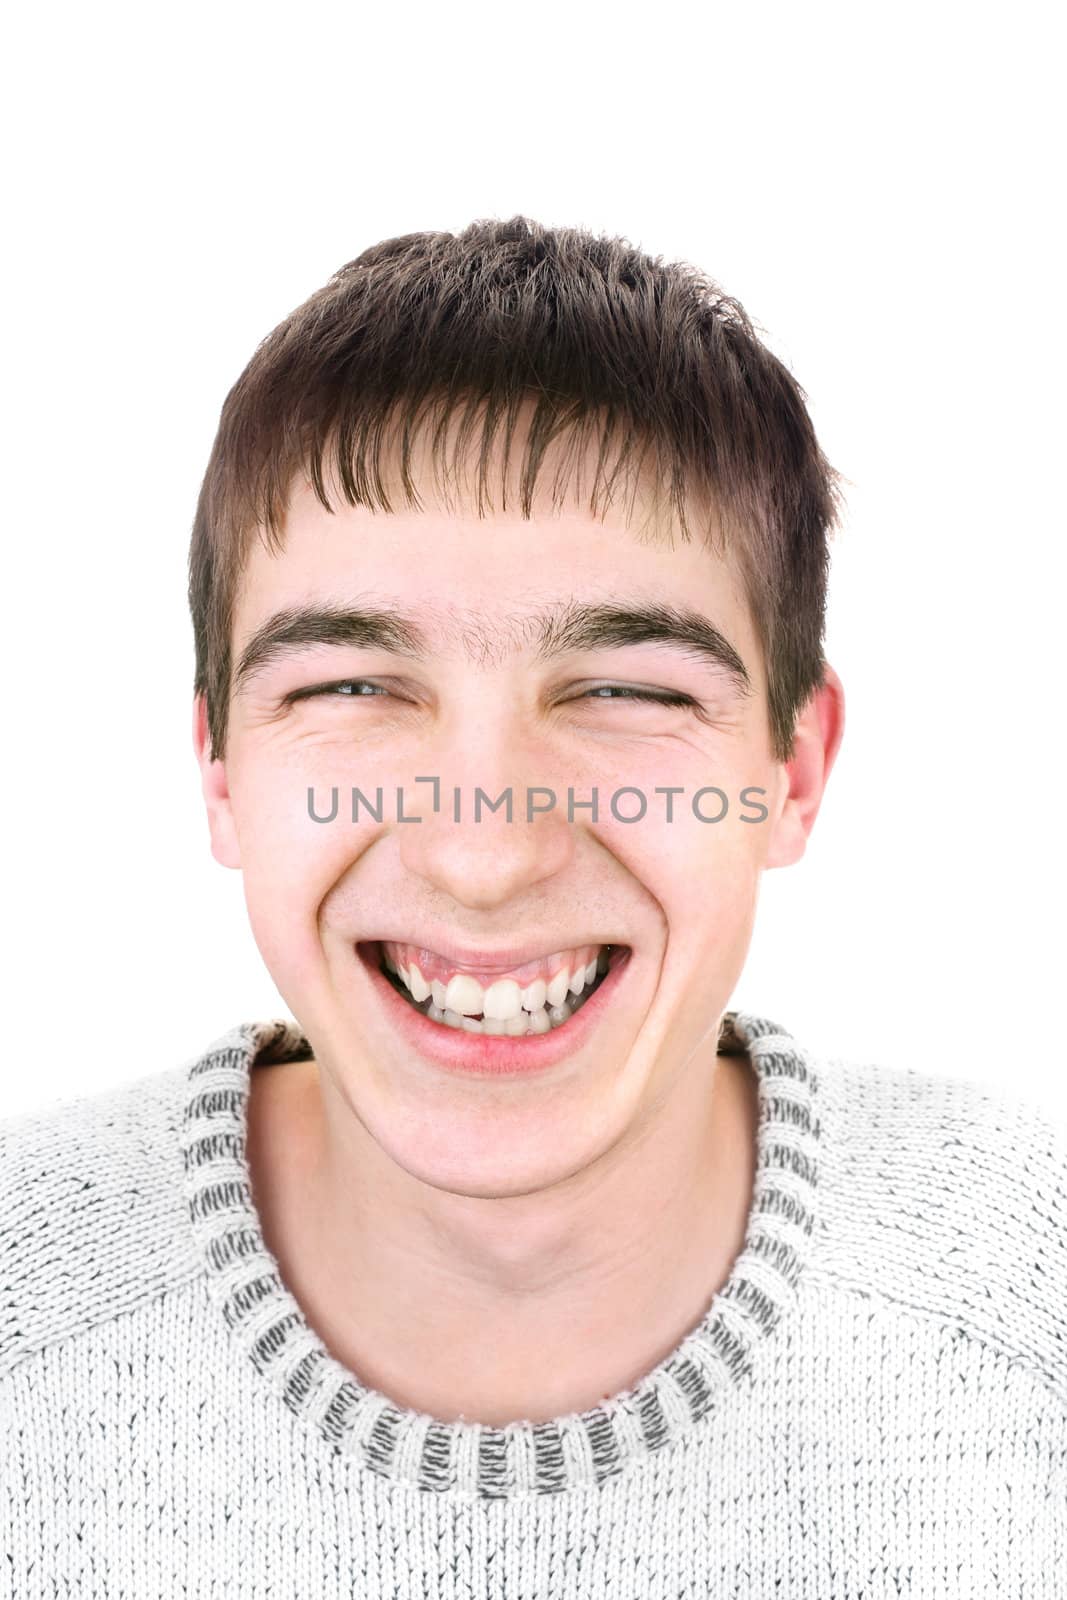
{"type": "Point", "coordinates": [342, 1414]}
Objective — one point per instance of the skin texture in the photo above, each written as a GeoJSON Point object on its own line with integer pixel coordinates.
{"type": "Point", "coordinates": [495, 1250]}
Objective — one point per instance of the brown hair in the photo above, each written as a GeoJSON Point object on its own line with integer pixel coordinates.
{"type": "Point", "coordinates": [501, 313]}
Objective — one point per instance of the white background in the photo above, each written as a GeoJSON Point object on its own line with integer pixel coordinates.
{"type": "Point", "coordinates": [882, 190]}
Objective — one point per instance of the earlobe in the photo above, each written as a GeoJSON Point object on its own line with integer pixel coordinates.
{"type": "Point", "coordinates": [819, 731]}
{"type": "Point", "coordinates": [213, 781]}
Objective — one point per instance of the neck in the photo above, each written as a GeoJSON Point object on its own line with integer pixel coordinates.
{"type": "Point", "coordinates": [496, 1310]}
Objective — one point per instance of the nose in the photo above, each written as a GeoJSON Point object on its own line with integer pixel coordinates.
{"type": "Point", "coordinates": [483, 860]}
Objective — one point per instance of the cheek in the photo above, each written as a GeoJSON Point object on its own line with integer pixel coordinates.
{"type": "Point", "coordinates": [291, 859]}
{"type": "Point", "coordinates": [703, 875]}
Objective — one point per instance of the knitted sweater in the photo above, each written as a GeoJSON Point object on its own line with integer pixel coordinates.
{"type": "Point", "coordinates": [874, 1404]}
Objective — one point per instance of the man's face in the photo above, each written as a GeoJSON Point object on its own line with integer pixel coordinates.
{"type": "Point", "coordinates": [491, 699]}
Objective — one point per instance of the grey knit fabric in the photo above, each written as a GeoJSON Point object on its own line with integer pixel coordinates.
{"type": "Point", "coordinates": [875, 1402]}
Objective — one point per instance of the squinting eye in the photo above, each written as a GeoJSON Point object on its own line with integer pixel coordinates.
{"type": "Point", "coordinates": [607, 691]}
{"type": "Point", "coordinates": [348, 688]}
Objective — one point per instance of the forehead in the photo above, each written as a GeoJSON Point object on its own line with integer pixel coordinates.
{"type": "Point", "coordinates": [484, 583]}
{"type": "Point", "coordinates": [487, 590]}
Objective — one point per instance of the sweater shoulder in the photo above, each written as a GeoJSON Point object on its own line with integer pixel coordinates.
{"type": "Point", "coordinates": [949, 1196]}
{"type": "Point", "coordinates": [92, 1218]}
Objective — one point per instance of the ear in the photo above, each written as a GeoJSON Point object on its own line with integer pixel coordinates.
{"type": "Point", "coordinates": [224, 846]}
{"type": "Point", "coordinates": [819, 730]}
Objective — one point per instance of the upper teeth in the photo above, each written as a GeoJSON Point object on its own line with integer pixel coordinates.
{"type": "Point", "coordinates": [504, 998]}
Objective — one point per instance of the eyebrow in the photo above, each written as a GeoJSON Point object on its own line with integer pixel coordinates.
{"type": "Point", "coordinates": [559, 630]}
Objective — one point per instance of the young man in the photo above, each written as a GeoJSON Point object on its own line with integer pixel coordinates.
{"type": "Point", "coordinates": [518, 1266]}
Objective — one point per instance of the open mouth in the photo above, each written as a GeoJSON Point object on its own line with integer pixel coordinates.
{"type": "Point", "coordinates": [530, 1001]}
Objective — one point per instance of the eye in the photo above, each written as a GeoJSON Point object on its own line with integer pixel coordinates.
{"type": "Point", "coordinates": [662, 697]}
{"type": "Point", "coordinates": [346, 688]}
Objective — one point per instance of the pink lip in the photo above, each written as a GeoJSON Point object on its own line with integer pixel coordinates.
{"type": "Point", "coordinates": [491, 1055]}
